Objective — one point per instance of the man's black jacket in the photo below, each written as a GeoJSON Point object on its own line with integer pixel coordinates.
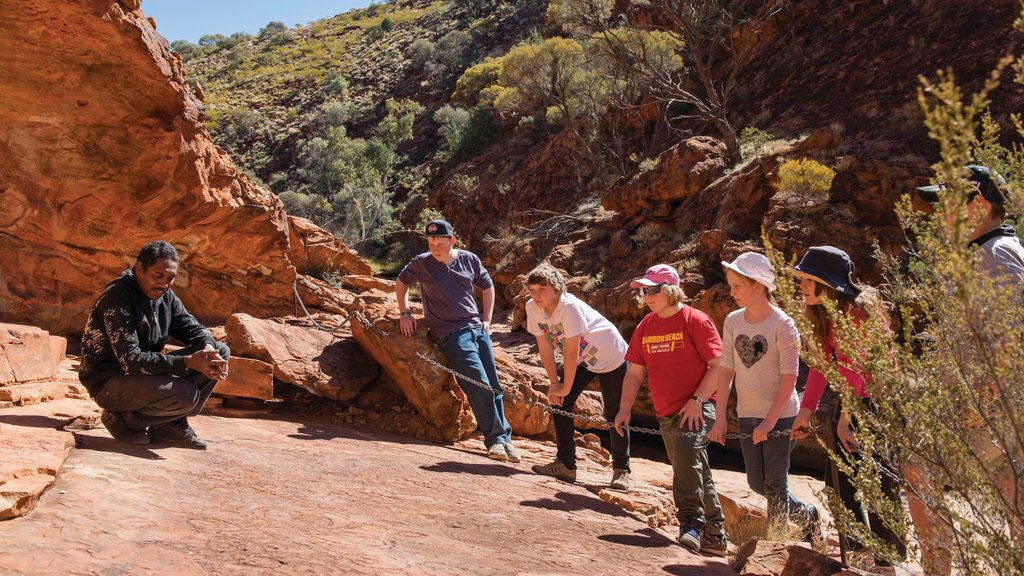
{"type": "Point", "coordinates": [126, 331]}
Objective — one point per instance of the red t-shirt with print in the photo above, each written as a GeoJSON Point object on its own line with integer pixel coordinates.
{"type": "Point", "coordinates": [676, 351]}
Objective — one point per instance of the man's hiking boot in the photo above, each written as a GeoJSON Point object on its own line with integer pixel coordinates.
{"type": "Point", "coordinates": [512, 453]}
{"type": "Point", "coordinates": [497, 452]}
{"type": "Point", "coordinates": [177, 433]}
{"type": "Point", "coordinates": [689, 537]}
{"type": "Point", "coordinates": [620, 480]}
{"type": "Point", "coordinates": [715, 545]}
{"type": "Point", "coordinates": [118, 428]}
{"type": "Point", "coordinates": [556, 470]}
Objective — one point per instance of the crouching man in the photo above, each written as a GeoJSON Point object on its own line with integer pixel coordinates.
{"type": "Point", "coordinates": [146, 396]}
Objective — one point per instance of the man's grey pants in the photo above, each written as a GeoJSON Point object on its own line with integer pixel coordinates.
{"type": "Point", "coordinates": [152, 400]}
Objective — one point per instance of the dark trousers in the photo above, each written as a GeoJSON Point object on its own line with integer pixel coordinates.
{"type": "Point", "coordinates": [848, 494]}
{"type": "Point", "coordinates": [611, 393]}
{"type": "Point", "coordinates": [155, 399]}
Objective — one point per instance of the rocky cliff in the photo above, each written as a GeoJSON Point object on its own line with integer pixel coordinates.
{"type": "Point", "coordinates": [102, 149]}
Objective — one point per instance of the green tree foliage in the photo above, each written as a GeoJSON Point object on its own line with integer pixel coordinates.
{"type": "Point", "coordinates": [465, 132]}
{"type": "Point", "coordinates": [450, 54]}
{"type": "Point", "coordinates": [713, 40]}
{"type": "Point", "coordinates": [349, 181]}
{"type": "Point", "coordinates": [386, 24]}
{"type": "Point", "coordinates": [185, 48]}
{"type": "Point", "coordinates": [471, 88]}
{"type": "Point", "coordinates": [272, 28]}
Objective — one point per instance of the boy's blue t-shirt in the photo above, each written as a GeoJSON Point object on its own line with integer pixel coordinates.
{"type": "Point", "coordinates": [448, 301]}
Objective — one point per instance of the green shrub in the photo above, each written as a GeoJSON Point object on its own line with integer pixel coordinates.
{"type": "Point", "coordinates": [420, 52]}
{"type": "Point", "coordinates": [753, 141]}
{"type": "Point", "coordinates": [338, 86]}
{"type": "Point", "coordinates": [806, 178]}
{"type": "Point", "coordinates": [386, 24]}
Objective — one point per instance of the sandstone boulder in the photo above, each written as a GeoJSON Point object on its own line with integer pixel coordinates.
{"type": "Point", "coordinates": [524, 404]}
{"type": "Point", "coordinates": [680, 172]}
{"type": "Point", "coordinates": [429, 388]}
{"type": "Point", "coordinates": [327, 362]}
{"type": "Point", "coordinates": [313, 250]}
{"type": "Point", "coordinates": [103, 148]}
{"type": "Point", "coordinates": [28, 353]}
{"type": "Point", "coordinates": [768, 558]}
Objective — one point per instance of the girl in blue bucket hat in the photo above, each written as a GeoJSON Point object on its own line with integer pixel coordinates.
{"type": "Point", "coordinates": [826, 273]}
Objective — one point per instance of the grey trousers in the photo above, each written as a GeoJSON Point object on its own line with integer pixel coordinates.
{"type": "Point", "coordinates": [693, 489]}
{"type": "Point", "coordinates": [155, 399]}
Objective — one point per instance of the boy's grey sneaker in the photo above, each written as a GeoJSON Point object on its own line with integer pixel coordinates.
{"type": "Point", "coordinates": [512, 453]}
{"type": "Point", "coordinates": [716, 545]}
{"type": "Point", "coordinates": [118, 428]}
{"type": "Point", "coordinates": [690, 538]}
{"type": "Point", "coordinates": [556, 470]}
{"type": "Point", "coordinates": [497, 452]}
{"type": "Point", "coordinates": [620, 479]}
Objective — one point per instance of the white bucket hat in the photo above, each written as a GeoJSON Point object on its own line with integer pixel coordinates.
{"type": "Point", "coordinates": [755, 266]}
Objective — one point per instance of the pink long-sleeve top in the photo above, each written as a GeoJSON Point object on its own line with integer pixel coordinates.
{"type": "Point", "coordinates": [816, 382]}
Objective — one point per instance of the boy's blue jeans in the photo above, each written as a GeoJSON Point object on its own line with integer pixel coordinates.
{"type": "Point", "coordinates": [469, 353]}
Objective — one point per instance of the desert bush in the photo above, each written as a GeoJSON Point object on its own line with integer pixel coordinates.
{"type": "Point", "coordinates": [805, 178]}
{"type": "Point", "coordinates": [420, 52]}
{"type": "Point", "coordinates": [337, 86]}
{"type": "Point", "coordinates": [949, 384]}
{"type": "Point", "coordinates": [386, 24]}
{"type": "Point", "coordinates": [465, 132]}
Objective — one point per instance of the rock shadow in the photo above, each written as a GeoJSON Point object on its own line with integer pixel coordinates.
{"type": "Point", "coordinates": [572, 502]}
{"type": "Point", "coordinates": [643, 538]}
{"type": "Point", "coordinates": [108, 444]}
{"type": "Point", "coordinates": [33, 421]}
{"type": "Point", "coordinates": [480, 469]}
{"type": "Point", "coordinates": [706, 567]}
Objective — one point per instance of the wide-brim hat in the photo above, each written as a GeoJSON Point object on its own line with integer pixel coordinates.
{"type": "Point", "coordinates": [657, 275]}
{"type": "Point", "coordinates": [755, 266]}
{"type": "Point", "coordinates": [830, 266]}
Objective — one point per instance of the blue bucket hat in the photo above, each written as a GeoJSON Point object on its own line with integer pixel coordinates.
{"type": "Point", "coordinates": [830, 266]}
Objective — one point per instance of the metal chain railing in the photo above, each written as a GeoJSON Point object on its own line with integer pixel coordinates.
{"type": "Point", "coordinates": [365, 322]}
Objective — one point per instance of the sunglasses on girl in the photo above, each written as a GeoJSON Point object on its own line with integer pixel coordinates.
{"type": "Point", "coordinates": [650, 290]}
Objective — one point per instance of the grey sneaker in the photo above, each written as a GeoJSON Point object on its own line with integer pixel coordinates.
{"type": "Point", "coordinates": [689, 537]}
{"type": "Point", "coordinates": [513, 453]}
{"type": "Point", "coordinates": [556, 470]}
{"type": "Point", "coordinates": [118, 428]}
{"type": "Point", "coordinates": [497, 452]}
{"type": "Point", "coordinates": [716, 545]}
{"type": "Point", "coordinates": [620, 480]}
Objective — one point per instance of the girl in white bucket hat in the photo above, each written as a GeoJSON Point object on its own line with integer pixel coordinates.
{"type": "Point", "coordinates": [761, 347]}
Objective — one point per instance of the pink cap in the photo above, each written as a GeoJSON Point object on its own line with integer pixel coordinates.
{"type": "Point", "coordinates": [657, 275]}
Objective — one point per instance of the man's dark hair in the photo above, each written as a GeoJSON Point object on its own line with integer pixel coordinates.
{"type": "Point", "coordinates": [154, 251]}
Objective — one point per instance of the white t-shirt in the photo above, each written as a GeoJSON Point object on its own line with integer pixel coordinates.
{"type": "Point", "coordinates": [760, 354]}
{"type": "Point", "coordinates": [602, 348]}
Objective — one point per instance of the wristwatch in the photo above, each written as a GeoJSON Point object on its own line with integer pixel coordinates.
{"type": "Point", "coordinates": [406, 313]}
{"type": "Point", "coordinates": [700, 401]}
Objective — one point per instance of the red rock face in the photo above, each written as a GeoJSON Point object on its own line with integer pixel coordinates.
{"type": "Point", "coordinates": [102, 149]}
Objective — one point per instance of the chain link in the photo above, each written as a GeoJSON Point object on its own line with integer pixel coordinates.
{"type": "Point", "coordinates": [548, 408]}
